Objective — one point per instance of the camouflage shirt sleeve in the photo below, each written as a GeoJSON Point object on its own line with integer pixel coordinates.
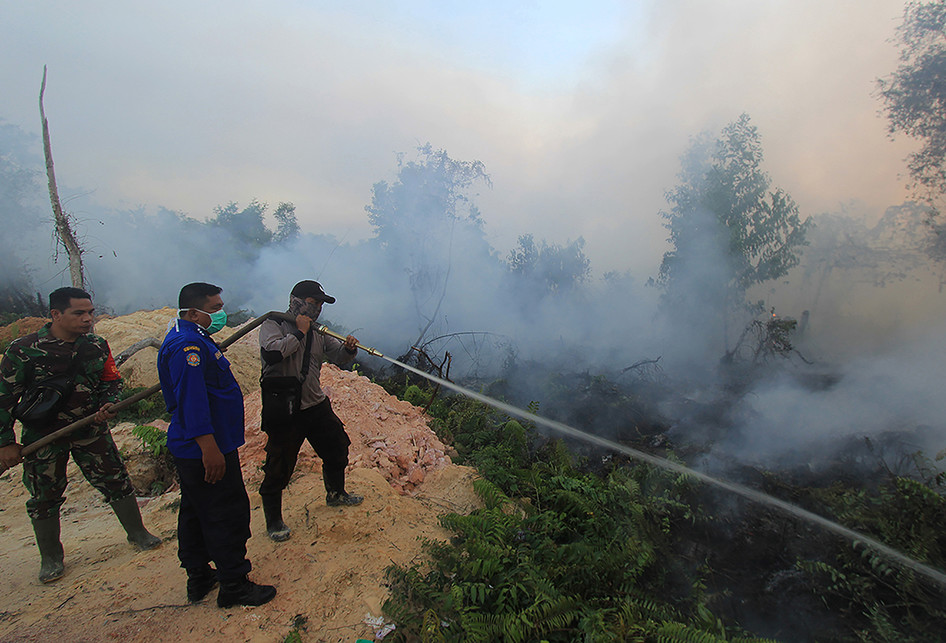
{"type": "Point", "coordinates": [110, 380]}
{"type": "Point", "coordinates": [12, 378]}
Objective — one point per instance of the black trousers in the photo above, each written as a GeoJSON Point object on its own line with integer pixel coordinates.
{"type": "Point", "coordinates": [324, 431]}
{"type": "Point", "coordinates": [214, 521]}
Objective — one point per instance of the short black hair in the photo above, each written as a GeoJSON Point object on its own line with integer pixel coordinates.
{"type": "Point", "coordinates": [60, 298]}
{"type": "Point", "coordinates": [195, 295]}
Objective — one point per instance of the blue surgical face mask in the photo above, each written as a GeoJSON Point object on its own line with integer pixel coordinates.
{"type": "Point", "coordinates": [217, 320]}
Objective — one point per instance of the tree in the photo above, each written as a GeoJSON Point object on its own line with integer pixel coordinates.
{"type": "Point", "coordinates": [287, 228]}
{"type": "Point", "coordinates": [915, 94]}
{"type": "Point", "coordinates": [915, 99]}
{"type": "Point", "coordinates": [553, 267]}
{"type": "Point", "coordinates": [425, 221]}
{"type": "Point", "coordinates": [728, 231]}
{"type": "Point", "coordinates": [246, 225]}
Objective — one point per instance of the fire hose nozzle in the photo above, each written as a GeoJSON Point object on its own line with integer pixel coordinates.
{"type": "Point", "coordinates": [325, 330]}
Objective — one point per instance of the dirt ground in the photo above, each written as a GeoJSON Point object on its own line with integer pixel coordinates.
{"type": "Point", "coordinates": [329, 575]}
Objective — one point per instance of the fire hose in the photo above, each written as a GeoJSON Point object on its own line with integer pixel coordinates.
{"type": "Point", "coordinates": [32, 447]}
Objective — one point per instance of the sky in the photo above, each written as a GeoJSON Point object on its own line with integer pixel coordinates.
{"type": "Point", "coordinates": [579, 111]}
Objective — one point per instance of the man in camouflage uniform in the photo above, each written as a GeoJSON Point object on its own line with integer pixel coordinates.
{"type": "Point", "coordinates": [66, 346]}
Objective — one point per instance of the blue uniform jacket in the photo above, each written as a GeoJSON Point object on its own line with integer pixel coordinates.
{"type": "Point", "coordinates": [199, 390]}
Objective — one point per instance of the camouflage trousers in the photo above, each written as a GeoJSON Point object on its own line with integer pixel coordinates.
{"type": "Point", "coordinates": [44, 472]}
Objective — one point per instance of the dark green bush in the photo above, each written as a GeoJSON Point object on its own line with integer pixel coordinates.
{"type": "Point", "coordinates": [555, 554]}
{"type": "Point", "coordinates": [150, 408]}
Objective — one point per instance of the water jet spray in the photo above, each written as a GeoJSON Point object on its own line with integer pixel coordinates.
{"type": "Point", "coordinates": [855, 537]}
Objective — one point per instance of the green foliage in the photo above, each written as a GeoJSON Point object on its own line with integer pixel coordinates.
{"type": "Point", "coordinates": [416, 396]}
{"type": "Point", "coordinates": [150, 408]}
{"type": "Point", "coordinates": [915, 93]}
{"type": "Point", "coordinates": [299, 623]}
{"type": "Point", "coordinates": [885, 601]}
{"type": "Point", "coordinates": [155, 443]}
{"type": "Point", "coordinates": [728, 231]}
{"type": "Point", "coordinates": [553, 268]}
{"type": "Point", "coordinates": [245, 225]}
{"type": "Point", "coordinates": [154, 439]}
{"type": "Point", "coordinates": [555, 553]}
{"type": "Point", "coordinates": [287, 227]}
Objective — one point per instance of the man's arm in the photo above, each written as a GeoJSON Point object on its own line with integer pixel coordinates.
{"type": "Point", "coordinates": [214, 463]}
{"type": "Point", "coordinates": [186, 371]}
{"type": "Point", "coordinates": [275, 343]}
{"type": "Point", "coordinates": [338, 352]}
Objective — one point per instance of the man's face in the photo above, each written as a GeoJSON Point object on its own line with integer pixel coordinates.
{"type": "Point", "coordinates": [211, 305]}
{"type": "Point", "coordinates": [76, 319]}
{"type": "Point", "coordinates": [315, 307]}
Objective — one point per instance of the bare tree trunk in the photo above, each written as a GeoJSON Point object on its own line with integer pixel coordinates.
{"type": "Point", "coordinates": [66, 236]}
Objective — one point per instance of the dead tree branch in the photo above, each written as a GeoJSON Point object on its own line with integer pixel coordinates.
{"type": "Point", "coordinates": [122, 357]}
{"type": "Point", "coordinates": [63, 228]}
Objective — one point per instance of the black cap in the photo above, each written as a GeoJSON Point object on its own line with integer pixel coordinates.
{"type": "Point", "coordinates": [309, 288]}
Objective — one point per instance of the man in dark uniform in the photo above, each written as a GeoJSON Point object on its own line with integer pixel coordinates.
{"type": "Point", "coordinates": [206, 407]}
{"type": "Point", "coordinates": [283, 352]}
{"type": "Point", "coordinates": [65, 350]}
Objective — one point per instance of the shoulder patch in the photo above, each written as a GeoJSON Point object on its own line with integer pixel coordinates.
{"type": "Point", "coordinates": [193, 359]}
{"type": "Point", "coordinates": [218, 354]}
{"type": "Point", "coordinates": [191, 348]}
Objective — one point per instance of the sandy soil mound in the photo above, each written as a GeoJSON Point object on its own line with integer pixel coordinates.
{"type": "Point", "coordinates": [21, 327]}
{"type": "Point", "coordinates": [329, 575]}
{"type": "Point", "coordinates": [141, 368]}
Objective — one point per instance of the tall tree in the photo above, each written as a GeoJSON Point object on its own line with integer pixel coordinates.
{"type": "Point", "coordinates": [425, 216]}
{"type": "Point", "coordinates": [915, 100]}
{"type": "Point", "coordinates": [915, 94]}
{"type": "Point", "coordinates": [728, 230]}
{"type": "Point", "coordinates": [287, 227]}
{"type": "Point", "coordinates": [245, 226]}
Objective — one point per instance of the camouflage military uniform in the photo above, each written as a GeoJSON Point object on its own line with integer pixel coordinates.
{"type": "Point", "coordinates": [97, 381]}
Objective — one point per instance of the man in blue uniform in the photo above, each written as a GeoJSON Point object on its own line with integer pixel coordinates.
{"type": "Point", "coordinates": [206, 407]}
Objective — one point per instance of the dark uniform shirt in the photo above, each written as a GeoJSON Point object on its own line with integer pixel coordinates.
{"type": "Point", "coordinates": [199, 390]}
{"type": "Point", "coordinates": [40, 355]}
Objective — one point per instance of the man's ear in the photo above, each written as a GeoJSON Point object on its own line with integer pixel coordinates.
{"type": "Point", "coordinates": [55, 314]}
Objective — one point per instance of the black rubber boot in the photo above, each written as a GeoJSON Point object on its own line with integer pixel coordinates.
{"type": "Point", "coordinates": [276, 529]}
{"type": "Point", "coordinates": [130, 517]}
{"type": "Point", "coordinates": [200, 581]}
{"type": "Point", "coordinates": [50, 549]}
{"type": "Point", "coordinates": [342, 499]}
{"type": "Point", "coordinates": [244, 592]}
